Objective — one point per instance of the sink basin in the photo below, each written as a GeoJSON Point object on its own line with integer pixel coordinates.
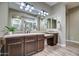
{"type": "Point", "coordinates": [46, 35]}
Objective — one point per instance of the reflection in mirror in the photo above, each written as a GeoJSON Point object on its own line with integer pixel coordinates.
{"type": "Point", "coordinates": [16, 22]}
{"type": "Point", "coordinates": [22, 22]}
{"type": "Point", "coordinates": [30, 24]}
{"type": "Point", "coordinates": [54, 24]}
{"type": "Point", "coordinates": [51, 23]}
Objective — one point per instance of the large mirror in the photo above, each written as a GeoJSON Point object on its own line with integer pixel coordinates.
{"type": "Point", "coordinates": [22, 22]}
{"type": "Point", "coordinates": [51, 23]}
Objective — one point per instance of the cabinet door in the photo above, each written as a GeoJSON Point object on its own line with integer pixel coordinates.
{"type": "Point", "coordinates": [30, 45]}
{"type": "Point", "coordinates": [40, 42]}
{"type": "Point", "coordinates": [15, 49]}
{"type": "Point", "coordinates": [55, 38]}
{"type": "Point", "coordinates": [14, 46]}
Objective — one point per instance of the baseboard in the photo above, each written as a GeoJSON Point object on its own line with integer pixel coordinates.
{"type": "Point", "coordinates": [73, 41]}
{"type": "Point", "coordinates": [62, 45]}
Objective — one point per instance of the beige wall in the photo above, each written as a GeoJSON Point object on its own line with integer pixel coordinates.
{"type": "Point", "coordinates": [3, 16]}
{"type": "Point", "coordinates": [59, 13]}
{"type": "Point", "coordinates": [74, 24]}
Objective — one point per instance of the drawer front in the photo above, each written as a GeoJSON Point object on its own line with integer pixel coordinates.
{"type": "Point", "coordinates": [41, 37]}
{"type": "Point", "coordinates": [29, 38]}
{"type": "Point", "coordinates": [14, 40]}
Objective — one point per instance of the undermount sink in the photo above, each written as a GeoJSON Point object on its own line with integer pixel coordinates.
{"type": "Point", "coordinates": [48, 35]}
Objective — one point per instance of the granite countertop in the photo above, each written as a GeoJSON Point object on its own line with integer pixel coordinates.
{"type": "Point", "coordinates": [28, 34]}
{"type": "Point", "coordinates": [25, 34]}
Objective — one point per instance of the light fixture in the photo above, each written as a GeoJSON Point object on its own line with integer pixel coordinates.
{"type": "Point", "coordinates": [22, 4]}
{"type": "Point", "coordinates": [21, 7]}
{"type": "Point", "coordinates": [26, 8]}
{"type": "Point", "coordinates": [30, 8]}
{"type": "Point", "coordinates": [39, 13]}
{"type": "Point", "coordinates": [46, 13]}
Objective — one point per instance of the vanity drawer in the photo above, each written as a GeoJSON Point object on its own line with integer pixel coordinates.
{"type": "Point", "coordinates": [40, 37]}
{"type": "Point", "coordinates": [30, 38]}
{"type": "Point", "coordinates": [14, 40]}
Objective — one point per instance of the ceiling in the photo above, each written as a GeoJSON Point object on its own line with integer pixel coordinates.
{"type": "Point", "coordinates": [72, 4]}
{"type": "Point", "coordinates": [51, 3]}
{"type": "Point", "coordinates": [68, 4]}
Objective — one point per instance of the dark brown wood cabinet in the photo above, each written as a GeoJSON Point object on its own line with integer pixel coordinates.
{"type": "Point", "coordinates": [40, 43]}
{"type": "Point", "coordinates": [52, 40]}
{"type": "Point", "coordinates": [14, 46]}
{"type": "Point", "coordinates": [31, 45]}
{"type": "Point", "coordinates": [25, 45]}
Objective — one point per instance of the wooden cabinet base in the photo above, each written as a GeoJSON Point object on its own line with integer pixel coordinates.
{"type": "Point", "coordinates": [53, 40]}
{"type": "Point", "coordinates": [24, 46]}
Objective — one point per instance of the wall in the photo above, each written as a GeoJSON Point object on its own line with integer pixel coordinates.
{"type": "Point", "coordinates": [74, 24]}
{"type": "Point", "coordinates": [67, 26]}
{"type": "Point", "coordinates": [3, 16]}
{"type": "Point", "coordinates": [59, 13]}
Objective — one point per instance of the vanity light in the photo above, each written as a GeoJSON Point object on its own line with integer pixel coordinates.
{"type": "Point", "coordinates": [22, 4]}
{"type": "Point", "coordinates": [46, 13]}
{"type": "Point", "coordinates": [30, 8]}
{"type": "Point", "coordinates": [26, 8]}
{"type": "Point", "coordinates": [42, 12]}
{"type": "Point", "coordinates": [39, 13]}
{"type": "Point", "coordinates": [21, 7]}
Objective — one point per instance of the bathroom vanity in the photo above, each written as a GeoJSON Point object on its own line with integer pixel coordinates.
{"type": "Point", "coordinates": [52, 38]}
{"type": "Point", "coordinates": [23, 44]}
{"type": "Point", "coordinates": [27, 44]}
